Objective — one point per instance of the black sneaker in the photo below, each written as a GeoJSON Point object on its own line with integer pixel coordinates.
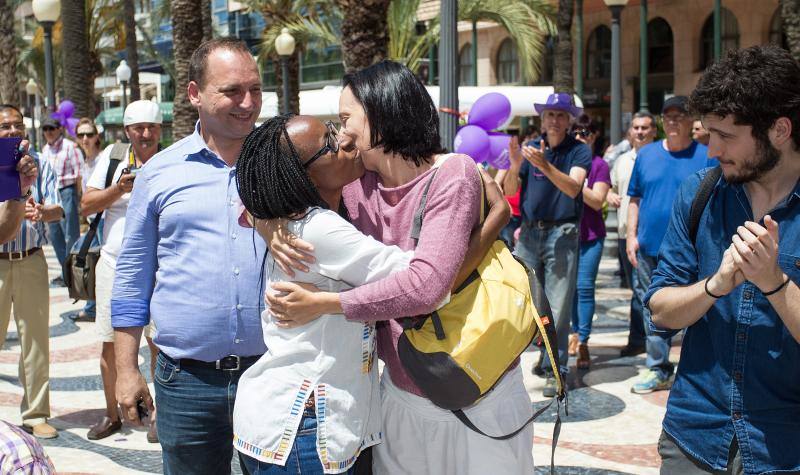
{"type": "Point", "coordinates": [632, 350]}
{"type": "Point", "coordinates": [537, 368]}
{"type": "Point", "coordinates": [549, 387]}
{"type": "Point", "coordinates": [57, 282]}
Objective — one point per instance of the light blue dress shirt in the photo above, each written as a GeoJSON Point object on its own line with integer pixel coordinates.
{"type": "Point", "coordinates": [186, 262]}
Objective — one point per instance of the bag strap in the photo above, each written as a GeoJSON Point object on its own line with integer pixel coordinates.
{"type": "Point", "coordinates": [556, 428]}
{"type": "Point", "coordinates": [80, 259]}
{"type": "Point", "coordinates": [419, 214]}
{"type": "Point", "coordinates": [701, 199]}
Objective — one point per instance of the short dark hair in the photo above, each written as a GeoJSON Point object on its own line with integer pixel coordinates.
{"type": "Point", "coordinates": [5, 107]}
{"type": "Point", "coordinates": [645, 115]}
{"type": "Point", "coordinates": [401, 114]}
{"type": "Point", "coordinates": [755, 85]}
{"type": "Point", "coordinates": [199, 61]}
{"type": "Point", "coordinates": [270, 176]}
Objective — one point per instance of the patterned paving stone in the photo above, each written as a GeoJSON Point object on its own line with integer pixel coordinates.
{"type": "Point", "coordinates": [608, 429]}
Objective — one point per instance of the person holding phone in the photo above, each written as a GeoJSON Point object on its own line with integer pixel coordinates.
{"type": "Point", "coordinates": [23, 279]}
{"type": "Point", "coordinates": [551, 173]}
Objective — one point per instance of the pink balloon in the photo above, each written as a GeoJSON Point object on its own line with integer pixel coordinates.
{"type": "Point", "coordinates": [66, 109]}
{"type": "Point", "coordinates": [498, 150]}
{"type": "Point", "coordinates": [490, 111]}
{"type": "Point", "coordinates": [473, 141]}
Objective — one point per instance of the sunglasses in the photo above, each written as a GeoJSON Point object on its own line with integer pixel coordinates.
{"type": "Point", "coordinates": [85, 134]}
{"type": "Point", "coordinates": [331, 144]}
{"type": "Point", "coordinates": [581, 132]}
{"type": "Point", "coordinates": [48, 129]}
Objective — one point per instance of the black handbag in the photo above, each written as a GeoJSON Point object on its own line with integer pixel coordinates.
{"type": "Point", "coordinates": [79, 275]}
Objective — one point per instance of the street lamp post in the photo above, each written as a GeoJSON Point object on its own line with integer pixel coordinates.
{"type": "Point", "coordinates": [284, 45]}
{"type": "Point", "coordinates": [616, 7]}
{"type": "Point", "coordinates": [30, 88]}
{"type": "Point", "coordinates": [123, 76]}
{"type": "Point", "coordinates": [47, 13]}
{"type": "Point", "coordinates": [448, 73]}
{"type": "Point", "coordinates": [579, 48]}
{"type": "Point", "coordinates": [643, 58]}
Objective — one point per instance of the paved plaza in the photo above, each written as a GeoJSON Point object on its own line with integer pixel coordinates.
{"type": "Point", "coordinates": [608, 430]}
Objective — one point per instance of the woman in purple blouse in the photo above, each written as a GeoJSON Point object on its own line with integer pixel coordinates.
{"type": "Point", "coordinates": [593, 233]}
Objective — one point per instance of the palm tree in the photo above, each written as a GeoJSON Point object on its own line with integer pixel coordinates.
{"type": "Point", "coordinates": [187, 33]}
{"type": "Point", "coordinates": [78, 83]}
{"type": "Point", "coordinates": [790, 11]}
{"type": "Point", "coordinates": [131, 52]}
{"type": "Point", "coordinates": [31, 57]}
{"type": "Point", "coordinates": [9, 93]}
{"type": "Point", "coordinates": [562, 56]}
{"type": "Point", "coordinates": [313, 23]}
{"type": "Point", "coordinates": [365, 37]}
{"type": "Point", "coordinates": [526, 21]}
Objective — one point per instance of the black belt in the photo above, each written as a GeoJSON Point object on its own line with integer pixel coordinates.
{"type": "Point", "coordinates": [543, 223]}
{"type": "Point", "coordinates": [228, 363]}
{"type": "Point", "coordinates": [16, 256]}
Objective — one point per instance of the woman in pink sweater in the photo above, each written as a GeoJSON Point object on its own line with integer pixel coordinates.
{"type": "Point", "coordinates": [390, 118]}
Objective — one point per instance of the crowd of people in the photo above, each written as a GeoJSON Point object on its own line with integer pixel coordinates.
{"type": "Point", "coordinates": [269, 267]}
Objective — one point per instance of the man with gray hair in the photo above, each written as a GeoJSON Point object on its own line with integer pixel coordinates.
{"type": "Point", "coordinates": [109, 191]}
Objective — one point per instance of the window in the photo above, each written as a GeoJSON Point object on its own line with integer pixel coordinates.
{"type": "Point", "coordinates": [659, 47]}
{"type": "Point", "coordinates": [776, 34]}
{"type": "Point", "coordinates": [546, 71]}
{"type": "Point", "coordinates": [321, 65]}
{"type": "Point", "coordinates": [465, 66]}
{"type": "Point", "coordinates": [729, 35]}
{"type": "Point", "coordinates": [598, 53]}
{"type": "Point", "coordinates": [507, 63]}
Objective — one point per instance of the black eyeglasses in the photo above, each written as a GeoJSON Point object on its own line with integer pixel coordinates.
{"type": "Point", "coordinates": [48, 129]}
{"type": "Point", "coordinates": [85, 134]}
{"type": "Point", "coordinates": [331, 144]}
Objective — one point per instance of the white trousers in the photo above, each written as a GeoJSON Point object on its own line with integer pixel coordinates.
{"type": "Point", "coordinates": [421, 438]}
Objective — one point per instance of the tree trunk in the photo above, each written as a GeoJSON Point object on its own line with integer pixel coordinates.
{"type": "Point", "coordinates": [294, 81]}
{"type": "Point", "coordinates": [365, 34]}
{"type": "Point", "coordinates": [78, 84]}
{"type": "Point", "coordinates": [131, 52]}
{"type": "Point", "coordinates": [9, 93]}
{"type": "Point", "coordinates": [562, 67]}
{"type": "Point", "coordinates": [187, 34]}
{"type": "Point", "coordinates": [790, 11]}
{"type": "Point", "coordinates": [205, 11]}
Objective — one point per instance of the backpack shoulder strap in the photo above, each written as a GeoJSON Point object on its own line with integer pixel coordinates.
{"type": "Point", "coordinates": [119, 151]}
{"type": "Point", "coordinates": [701, 199]}
{"type": "Point", "coordinates": [113, 164]}
{"type": "Point", "coordinates": [419, 214]}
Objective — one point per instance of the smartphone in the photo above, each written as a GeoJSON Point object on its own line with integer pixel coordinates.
{"type": "Point", "coordinates": [10, 154]}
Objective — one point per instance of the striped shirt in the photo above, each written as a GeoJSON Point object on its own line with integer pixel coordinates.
{"type": "Point", "coordinates": [44, 190]}
{"type": "Point", "coordinates": [66, 159]}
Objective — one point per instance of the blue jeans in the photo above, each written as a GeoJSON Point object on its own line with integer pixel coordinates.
{"type": "Point", "coordinates": [507, 234]}
{"type": "Point", "coordinates": [583, 304]}
{"type": "Point", "coordinates": [636, 334]}
{"type": "Point", "coordinates": [657, 346]}
{"type": "Point", "coordinates": [303, 458]}
{"type": "Point", "coordinates": [195, 417]}
{"type": "Point", "coordinates": [552, 252]}
{"type": "Point", "coordinates": [64, 233]}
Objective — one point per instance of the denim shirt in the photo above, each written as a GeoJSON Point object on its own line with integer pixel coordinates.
{"type": "Point", "coordinates": [739, 371]}
{"type": "Point", "coordinates": [185, 261]}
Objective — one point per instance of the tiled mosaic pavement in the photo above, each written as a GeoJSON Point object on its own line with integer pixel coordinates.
{"type": "Point", "coordinates": [608, 430]}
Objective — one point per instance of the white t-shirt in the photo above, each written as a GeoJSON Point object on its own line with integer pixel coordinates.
{"type": "Point", "coordinates": [114, 226]}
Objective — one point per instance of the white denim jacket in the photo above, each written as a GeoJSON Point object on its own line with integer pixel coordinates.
{"type": "Point", "coordinates": [330, 357]}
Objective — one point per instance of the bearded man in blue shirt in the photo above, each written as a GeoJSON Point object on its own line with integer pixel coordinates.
{"type": "Point", "coordinates": [735, 403]}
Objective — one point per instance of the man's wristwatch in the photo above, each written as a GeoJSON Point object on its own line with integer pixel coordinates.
{"type": "Point", "coordinates": [24, 197]}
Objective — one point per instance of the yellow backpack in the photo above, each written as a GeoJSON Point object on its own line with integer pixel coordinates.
{"type": "Point", "coordinates": [457, 354]}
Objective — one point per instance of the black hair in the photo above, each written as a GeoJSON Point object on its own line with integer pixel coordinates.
{"type": "Point", "coordinates": [401, 114]}
{"type": "Point", "coordinates": [199, 60]}
{"type": "Point", "coordinates": [5, 107]}
{"type": "Point", "coordinates": [270, 177]}
{"type": "Point", "coordinates": [585, 122]}
{"type": "Point", "coordinates": [756, 85]}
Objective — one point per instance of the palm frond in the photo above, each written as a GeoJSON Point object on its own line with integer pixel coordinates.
{"type": "Point", "coordinates": [307, 32]}
{"type": "Point", "coordinates": [405, 45]}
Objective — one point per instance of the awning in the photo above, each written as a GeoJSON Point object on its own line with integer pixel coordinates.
{"type": "Point", "coordinates": [324, 103]}
{"type": "Point", "coordinates": [113, 115]}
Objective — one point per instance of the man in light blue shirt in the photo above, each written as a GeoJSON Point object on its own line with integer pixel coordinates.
{"type": "Point", "coordinates": [187, 264]}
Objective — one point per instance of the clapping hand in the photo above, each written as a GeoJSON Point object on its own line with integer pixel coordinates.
{"type": "Point", "coordinates": [535, 155]}
{"type": "Point", "coordinates": [755, 253]}
{"type": "Point", "coordinates": [33, 211]}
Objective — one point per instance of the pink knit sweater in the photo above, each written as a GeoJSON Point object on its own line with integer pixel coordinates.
{"type": "Point", "coordinates": [386, 214]}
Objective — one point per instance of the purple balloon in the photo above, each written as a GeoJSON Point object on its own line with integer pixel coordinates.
{"type": "Point", "coordinates": [498, 150]}
{"type": "Point", "coordinates": [66, 109]}
{"type": "Point", "coordinates": [71, 125]}
{"type": "Point", "coordinates": [473, 141]}
{"type": "Point", "coordinates": [490, 111]}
